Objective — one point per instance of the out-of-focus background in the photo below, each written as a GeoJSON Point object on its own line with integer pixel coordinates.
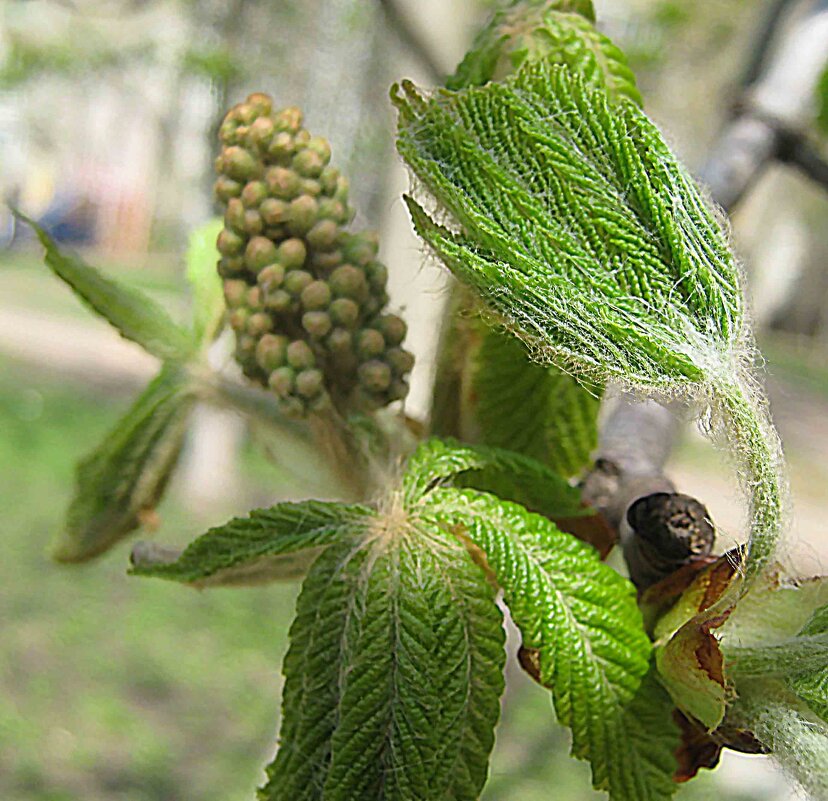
{"type": "Point", "coordinates": [120, 688]}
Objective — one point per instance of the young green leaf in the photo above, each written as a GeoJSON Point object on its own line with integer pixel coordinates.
{"type": "Point", "coordinates": [573, 220]}
{"type": "Point", "coordinates": [135, 315]}
{"type": "Point", "coordinates": [560, 33]}
{"type": "Point", "coordinates": [208, 295]}
{"type": "Point", "coordinates": [266, 545]}
{"type": "Point", "coordinates": [124, 477]}
{"type": "Point", "coordinates": [534, 409]}
{"type": "Point", "coordinates": [394, 673]}
{"type": "Point", "coordinates": [521, 478]}
{"type": "Point", "coordinates": [811, 684]}
{"type": "Point", "coordinates": [582, 621]}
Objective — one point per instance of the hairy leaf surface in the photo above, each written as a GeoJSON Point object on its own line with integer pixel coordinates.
{"type": "Point", "coordinates": [811, 685]}
{"type": "Point", "coordinates": [393, 675]}
{"type": "Point", "coordinates": [554, 32]}
{"type": "Point", "coordinates": [262, 546]}
{"type": "Point", "coordinates": [511, 474]}
{"type": "Point", "coordinates": [533, 409]}
{"type": "Point", "coordinates": [135, 315]}
{"type": "Point", "coordinates": [581, 619]}
{"type": "Point", "coordinates": [124, 477]}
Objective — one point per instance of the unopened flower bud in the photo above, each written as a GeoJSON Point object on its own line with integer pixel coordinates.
{"type": "Point", "coordinates": [348, 281]}
{"type": "Point", "coordinates": [302, 214]}
{"type": "Point", "coordinates": [273, 211]}
{"type": "Point", "coordinates": [229, 243]}
{"type": "Point", "coordinates": [253, 194]}
{"type": "Point", "coordinates": [296, 281]}
{"type": "Point", "coordinates": [309, 383]}
{"type": "Point", "coordinates": [292, 254]}
{"type": "Point", "coordinates": [374, 375]}
{"type": "Point", "coordinates": [316, 323]}
{"type": "Point", "coordinates": [370, 344]}
{"type": "Point", "coordinates": [323, 235]}
{"type": "Point", "coordinates": [299, 355]}
{"type": "Point", "coordinates": [344, 312]}
{"type": "Point", "coordinates": [281, 182]}
{"type": "Point", "coordinates": [271, 352]}
{"type": "Point", "coordinates": [240, 164]}
{"type": "Point", "coordinates": [281, 381]}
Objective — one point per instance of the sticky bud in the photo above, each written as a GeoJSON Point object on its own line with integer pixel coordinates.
{"type": "Point", "coordinates": [344, 312]}
{"type": "Point", "coordinates": [370, 343]}
{"type": "Point", "coordinates": [259, 253]}
{"type": "Point", "coordinates": [299, 355]}
{"type": "Point", "coordinates": [292, 253]}
{"type": "Point", "coordinates": [271, 352]}
{"type": "Point", "coordinates": [374, 375]}
{"type": "Point", "coordinates": [316, 323]}
{"type": "Point", "coordinates": [348, 281]}
{"type": "Point", "coordinates": [239, 163]}
{"type": "Point", "coordinates": [302, 214]}
{"type": "Point", "coordinates": [309, 383]}
{"type": "Point", "coordinates": [316, 296]}
{"type": "Point", "coordinates": [281, 381]}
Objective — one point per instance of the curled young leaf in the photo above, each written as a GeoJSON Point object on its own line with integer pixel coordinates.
{"type": "Point", "coordinates": [122, 480]}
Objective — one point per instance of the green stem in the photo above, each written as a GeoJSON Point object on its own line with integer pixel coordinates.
{"type": "Point", "coordinates": [795, 655]}
{"type": "Point", "coordinates": [754, 440]}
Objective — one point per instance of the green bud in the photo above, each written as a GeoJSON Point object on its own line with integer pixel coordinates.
{"type": "Point", "coordinates": [253, 194]}
{"type": "Point", "coordinates": [299, 355]}
{"type": "Point", "coordinates": [230, 266]}
{"type": "Point", "coordinates": [335, 210]}
{"type": "Point", "coordinates": [339, 341]}
{"type": "Point", "coordinates": [253, 224]}
{"type": "Point", "coordinates": [293, 407]}
{"type": "Point", "coordinates": [292, 253]}
{"type": "Point", "coordinates": [238, 319]}
{"type": "Point", "coordinates": [329, 178]}
{"type": "Point", "coordinates": [374, 375]}
{"type": "Point", "coordinates": [308, 163]}
{"type": "Point", "coordinates": [309, 383]}
{"type": "Point", "coordinates": [296, 281]}
{"type": "Point", "coordinates": [261, 103]}
{"type": "Point", "coordinates": [344, 312]}
{"type": "Point", "coordinates": [320, 146]}
{"type": "Point", "coordinates": [348, 281]}
{"type": "Point", "coordinates": [341, 191]}
{"type": "Point", "coordinates": [254, 299]}
{"type": "Point", "coordinates": [398, 390]}
{"type": "Point", "coordinates": [260, 133]}
{"type": "Point", "coordinates": [271, 352]}
{"type": "Point", "coordinates": [323, 235]}
{"type": "Point", "coordinates": [393, 328]}
{"type": "Point", "coordinates": [227, 131]}
{"type": "Point", "coordinates": [288, 119]}
{"type": "Point", "coordinates": [229, 243]}
{"type": "Point", "coordinates": [258, 324]}
{"type": "Point", "coordinates": [259, 253]}
{"type": "Point", "coordinates": [279, 301]}
{"type": "Point", "coordinates": [281, 182]}
{"type": "Point", "coordinates": [245, 347]}
{"type": "Point", "coordinates": [316, 323]}
{"type": "Point", "coordinates": [245, 113]}
{"type": "Point", "coordinates": [316, 296]}
{"type": "Point", "coordinates": [377, 274]}
{"type": "Point", "coordinates": [301, 138]}
{"type": "Point", "coordinates": [234, 215]}
{"type": "Point", "coordinates": [226, 187]}
{"type": "Point", "coordinates": [281, 381]}
{"type": "Point", "coordinates": [281, 148]}
{"type": "Point", "coordinates": [323, 262]}
{"type": "Point", "coordinates": [302, 214]}
{"type": "Point", "coordinates": [234, 293]}
{"type": "Point", "coordinates": [273, 211]}
{"type": "Point", "coordinates": [361, 248]}
{"type": "Point", "coordinates": [401, 361]}
{"type": "Point", "coordinates": [370, 344]}
{"type": "Point", "coordinates": [271, 277]}
{"type": "Point", "coordinates": [308, 186]}
{"type": "Point", "coordinates": [239, 163]}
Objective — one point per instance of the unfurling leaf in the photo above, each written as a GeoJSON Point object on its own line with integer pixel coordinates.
{"type": "Point", "coordinates": [394, 672]}
{"type": "Point", "coordinates": [268, 544]}
{"type": "Point", "coordinates": [580, 619]}
{"type": "Point", "coordinates": [570, 217]}
{"type": "Point", "coordinates": [208, 294]}
{"type": "Point", "coordinates": [134, 314]}
{"type": "Point", "coordinates": [534, 409]}
{"type": "Point", "coordinates": [509, 474]}
{"type": "Point", "coordinates": [560, 33]}
{"type": "Point", "coordinates": [123, 478]}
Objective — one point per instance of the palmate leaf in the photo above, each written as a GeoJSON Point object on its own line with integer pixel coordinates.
{"type": "Point", "coordinates": [124, 477]}
{"type": "Point", "coordinates": [517, 477]}
{"type": "Point", "coordinates": [581, 620]}
{"type": "Point", "coordinates": [268, 544]}
{"type": "Point", "coordinates": [575, 223]}
{"type": "Point", "coordinates": [134, 314]}
{"type": "Point", "coordinates": [562, 33]}
{"type": "Point", "coordinates": [393, 676]}
{"type": "Point", "coordinates": [534, 409]}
